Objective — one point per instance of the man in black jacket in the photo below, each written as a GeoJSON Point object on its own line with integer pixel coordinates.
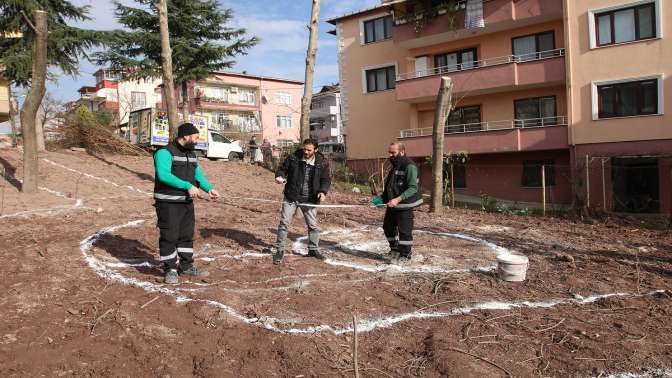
{"type": "Point", "coordinates": [306, 177]}
{"type": "Point", "coordinates": [401, 195]}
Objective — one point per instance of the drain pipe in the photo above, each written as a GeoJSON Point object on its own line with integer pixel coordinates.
{"type": "Point", "coordinates": [587, 183]}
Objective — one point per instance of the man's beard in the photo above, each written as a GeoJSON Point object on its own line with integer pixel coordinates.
{"type": "Point", "coordinates": [190, 145]}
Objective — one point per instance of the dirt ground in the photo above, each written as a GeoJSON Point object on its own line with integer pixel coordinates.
{"type": "Point", "coordinates": [83, 294]}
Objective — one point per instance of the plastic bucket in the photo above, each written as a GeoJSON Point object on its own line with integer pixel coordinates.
{"type": "Point", "coordinates": [512, 268]}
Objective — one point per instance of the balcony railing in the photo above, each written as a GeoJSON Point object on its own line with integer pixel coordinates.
{"type": "Point", "coordinates": [483, 63]}
{"type": "Point", "coordinates": [488, 126]}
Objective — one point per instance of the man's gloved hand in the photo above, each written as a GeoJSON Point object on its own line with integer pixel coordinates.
{"type": "Point", "coordinates": [280, 180]}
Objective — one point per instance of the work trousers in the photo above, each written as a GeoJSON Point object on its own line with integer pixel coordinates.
{"type": "Point", "coordinates": [176, 222]}
{"type": "Point", "coordinates": [398, 228]}
{"type": "Point", "coordinates": [286, 216]}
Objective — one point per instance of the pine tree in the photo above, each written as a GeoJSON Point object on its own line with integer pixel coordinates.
{"type": "Point", "coordinates": [67, 45]}
{"type": "Point", "coordinates": [200, 37]}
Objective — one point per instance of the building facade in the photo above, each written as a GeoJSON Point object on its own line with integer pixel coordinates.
{"type": "Point", "coordinates": [569, 91]}
{"type": "Point", "coordinates": [117, 96]}
{"type": "Point", "coordinates": [242, 105]}
{"type": "Point", "coordinates": [4, 99]}
{"type": "Point", "coordinates": [325, 115]}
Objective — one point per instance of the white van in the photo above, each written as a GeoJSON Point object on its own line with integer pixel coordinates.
{"type": "Point", "coordinates": [221, 147]}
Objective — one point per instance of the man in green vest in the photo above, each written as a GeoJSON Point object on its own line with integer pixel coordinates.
{"type": "Point", "coordinates": [178, 180]}
{"type": "Point", "coordinates": [401, 196]}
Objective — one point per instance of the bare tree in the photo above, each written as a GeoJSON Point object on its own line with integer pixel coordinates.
{"type": "Point", "coordinates": [443, 107]}
{"type": "Point", "coordinates": [167, 68]}
{"type": "Point", "coordinates": [32, 102]}
{"type": "Point", "coordinates": [310, 71]}
{"type": "Point", "coordinates": [50, 109]}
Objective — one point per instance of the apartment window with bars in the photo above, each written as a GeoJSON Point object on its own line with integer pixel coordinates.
{"type": "Point", "coordinates": [378, 29]}
{"type": "Point", "coordinates": [246, 96]}
{"type": "Point", "coordinates": [380, 79]}
{"type": "Point", "coordinates": [537, 111]}
{"type": "Point", "coordinates": [456, 61]}
{"type": "Point", "coordinates": [628, 99]}
{"type": "Point", "coordinates": [284, 122]}
{"type": "Point", "coordinates": [535, 46]}
{"type": "Point", "coordinates": [626, 24]}
{"type": "Point", "coordinates": [531, 177]}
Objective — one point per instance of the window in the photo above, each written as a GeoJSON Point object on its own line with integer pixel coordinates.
{"type": "Point", "coordinates": [536, 46]}
{"type": "Point", "coordinates": [380, 79]}
{"type": "Point", "coordinates": [538, 111]}
{"type": "Point", "coordinates": [138, 100]}
{"type": "Point", "coordinates": [463, 119]}
{"type": "Point", "coordinates": [378, 29]}
{"type": "Point", "coordinates": [628, 99]}
{"type": "Point", "coordinates": [246, 96]}
{"type": "Point", "coordinates": [284, 122]}
{"type": "Point", "coordinates": [283, 98]}
{"type": "Point", "coordinates": [626, 24]}
{"type": "Point", "coordinates": [218, 93]}
{"type": "Point", "coordinates": [218, 138]}
{"type": "Point", "coordinates": [532, 173]}
{"type": "Point", "coordinates": [456, 61]}
{"type": "Point", "coordinates": [282, 143]}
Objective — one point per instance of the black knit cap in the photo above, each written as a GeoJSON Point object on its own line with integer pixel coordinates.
{"type": "Point", "coordinates": [186, 129]}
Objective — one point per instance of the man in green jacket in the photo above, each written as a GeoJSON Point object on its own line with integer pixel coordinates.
{"type": "Point", "coordinates": [401, 196]}
{"type": "Point", "coordinates": [178, 181]}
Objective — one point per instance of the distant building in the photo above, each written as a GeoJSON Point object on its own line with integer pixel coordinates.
{"type": "Point", "coordinates": [4, 98]}
{"type": "Point", "coordinates": [241, 105]}
{"type": "Point", "coordinates": [116, 96]}
{"type": "Point", "coordinates": [325, 115]}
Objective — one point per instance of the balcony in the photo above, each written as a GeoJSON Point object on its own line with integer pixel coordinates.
{"type": "Point", "coordinates": [536, 134]}
{"type": "Point", "coordinates": [498, 15]}
{"type": "Point", "coordinates": [324, 112]}
{"type": "Point", "coordinates": [485, 76]}
{"type": "Point", "coordinates": [216, 103]}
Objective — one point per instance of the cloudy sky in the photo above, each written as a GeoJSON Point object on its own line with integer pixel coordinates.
{"type": "Point", "coordinates": [281, 25]}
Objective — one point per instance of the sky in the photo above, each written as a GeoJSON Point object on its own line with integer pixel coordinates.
{"type": "Point", "coordinates": [280, 24]}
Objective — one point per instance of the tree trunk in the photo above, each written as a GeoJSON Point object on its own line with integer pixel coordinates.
{"type": "Point", "coordinates": [39, 133]}
{"type": "Point", "coordinates": [443, 108]}
{"type": "Point", "coordinates": [32, 103]}
{"type": "Point", "coordinates": [310, 71]}
{"type": "Point", "coordinates": [167, 68]}
{"type": "Point", "coordinates": [12, 116]}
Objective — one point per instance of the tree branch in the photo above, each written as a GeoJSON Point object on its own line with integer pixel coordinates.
{"type": "Point", "coordinates": [29, 22]}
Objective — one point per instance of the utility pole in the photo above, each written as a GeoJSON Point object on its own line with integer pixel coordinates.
{"type": "Point", "coordinates": [32, 102]}
{"type": "Point", "coordinates": [443, 108]}
{"type": "Point", "coordinates": [310, 71]}
{"type": "Point", "coordinates": [167, 68]}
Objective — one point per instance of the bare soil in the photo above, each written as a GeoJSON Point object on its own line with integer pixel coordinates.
{"type": "Point", "coordinates": [81, 299]}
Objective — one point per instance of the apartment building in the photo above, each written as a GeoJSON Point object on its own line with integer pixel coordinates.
{"type": "Point", "coordinates": [240, 104]}
{"type": "Point", "coordinates": [4, 98]}
{"type": "Point", "coordinates": [118, 96]}
{"type": "Point", "coordinates": [325, 115]}
{"type": "Point", "coordinates": [572, 91]}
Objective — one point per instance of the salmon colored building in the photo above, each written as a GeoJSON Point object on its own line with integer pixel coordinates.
{"type": "Point", "coordinates": [570, 90]}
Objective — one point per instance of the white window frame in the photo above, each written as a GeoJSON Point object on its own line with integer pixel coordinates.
{"type": "Point", "coordinates": [283, 98]}
{"type": "Point", "coordinates": [593, 12]}
{"type": "Point", "coordinates": [595, 97]}
{"type": "Point", "coordinates": [279, 123]}
{"type": "Point", "coordinates": [367, 68]}
{"type": "Point", "coordinates": [362, 34]}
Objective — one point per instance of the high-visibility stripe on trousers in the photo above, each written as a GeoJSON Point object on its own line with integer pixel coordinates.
{"type": "Point", "coordinates": [176, 222]}
{"type": "Point", "coordinates": [398, 228]}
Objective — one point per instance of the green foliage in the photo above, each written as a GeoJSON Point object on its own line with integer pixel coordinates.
{"type": "Point", "coordinates": [200, 36]}
{"type": "Point", "coordinates": [341, 172]}
{"type": "Point", "coordinates": [66, 47]}
{"type": "Point", "coordinates": [103, 117]}
{"type": "Point", "coordinates": [83, 116]}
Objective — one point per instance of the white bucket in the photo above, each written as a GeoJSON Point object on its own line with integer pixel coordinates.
{"type": "Point", "coordinates": [512, 268]}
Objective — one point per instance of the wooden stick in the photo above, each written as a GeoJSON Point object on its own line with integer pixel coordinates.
{"type": "Point", "coordinates": [482, 359]}
{"type": "Point", "coordinates": [551, 327]}
{"type": "Point", "coordinates": [150, 302]}
{"type": "Point", "coordinates": [354, 345]}
{"type": "Point", "coordinates": [93, 326]}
